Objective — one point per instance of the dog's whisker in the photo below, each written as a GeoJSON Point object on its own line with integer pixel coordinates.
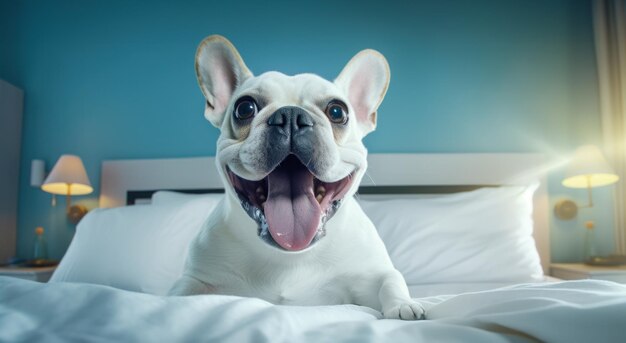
{"type": "Point", "coordinates": [370, 177]}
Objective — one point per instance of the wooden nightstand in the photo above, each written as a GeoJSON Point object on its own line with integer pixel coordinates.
{"type": "Point", "coordinates": [578, 271]}
{"type": "Point", "coordinates": [39, 274]}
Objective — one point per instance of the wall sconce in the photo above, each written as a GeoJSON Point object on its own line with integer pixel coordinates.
{"type": "Point", "coordinates": [37, 173]}
{"type": "Point", "coordinates": [587, 169]}
{"type": "Point", "coordinates": [68, 177]}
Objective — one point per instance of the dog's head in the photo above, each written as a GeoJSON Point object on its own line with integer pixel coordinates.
{"type": "Point", "coordinates": [290, 146]}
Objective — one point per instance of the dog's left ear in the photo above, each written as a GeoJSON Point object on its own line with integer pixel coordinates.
{"type": "Point", "coordinates": [220, 70]}
{"type": "Point", "coordinates": [365, 80]}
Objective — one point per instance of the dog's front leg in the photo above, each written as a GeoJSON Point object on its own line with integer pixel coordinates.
{"type": "Point", "coordinates": [395, 300]}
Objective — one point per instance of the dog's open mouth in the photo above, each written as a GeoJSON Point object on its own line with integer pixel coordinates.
{"type": "Point", "coordinates": [290, 204]}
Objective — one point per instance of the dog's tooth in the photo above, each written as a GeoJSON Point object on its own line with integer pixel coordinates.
{"type": "Point", "coordinates": [319, 198]}
{"type": "Point", "coordinates": [263, 205]}
{"type": "Point", "coordinates": [260, 190]}
{"type": "Point", "coordinates": [321, 189]}
{"type": "Point", "coordinates": [262, 197]}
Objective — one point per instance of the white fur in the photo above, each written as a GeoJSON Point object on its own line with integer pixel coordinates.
{"type": "Point", "coordinates": [350, 264]}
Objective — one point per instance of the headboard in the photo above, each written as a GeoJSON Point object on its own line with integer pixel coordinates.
{"type": "Point", "coordinates": [126, 181]}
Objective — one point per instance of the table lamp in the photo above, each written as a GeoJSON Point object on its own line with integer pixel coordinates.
{"type": "Point", "coordinates": [68, 177]}
{"type": "Point", "coordinates": [587, 169]}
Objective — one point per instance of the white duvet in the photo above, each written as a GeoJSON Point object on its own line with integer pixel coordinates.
{"type": "Point", "coordinates": [573, 311]}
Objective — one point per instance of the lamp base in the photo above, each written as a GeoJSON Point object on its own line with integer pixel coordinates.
{"type": "Point", "coordinates": [565, 209]}
{"type": "Point", "coordinates": [76, 212]}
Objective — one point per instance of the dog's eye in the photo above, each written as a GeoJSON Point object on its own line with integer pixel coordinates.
{"type": "Point", "coordinates": [337, 112]}
{"type": "Point", "coordinates": [245, 108]}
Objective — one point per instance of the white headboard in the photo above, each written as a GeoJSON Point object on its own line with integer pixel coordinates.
{"type": "Point", "coordinates": [121, 176]}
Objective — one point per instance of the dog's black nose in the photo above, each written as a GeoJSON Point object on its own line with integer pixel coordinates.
{"type": "Point", "coordinates": [290, 131]}
{"type": "Point", "coordinates": [291, 120]}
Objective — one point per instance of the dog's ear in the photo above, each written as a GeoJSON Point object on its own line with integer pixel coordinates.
{"type": "Point", "coordinates": [220, 70]}
{"type": "Point", "coordinates": [365, 80]}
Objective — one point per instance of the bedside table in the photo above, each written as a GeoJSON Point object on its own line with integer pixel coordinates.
{"type": "Point", "coordinates": [578, 271]}
{"type": "Point", "coordinates": [39, 274]}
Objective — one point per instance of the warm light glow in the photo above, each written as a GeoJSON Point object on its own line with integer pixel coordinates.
{"type": "Point", "coordinates": [589, 168]}
{"type": "Point", "coordinates": [593, 180]}
{"type": "Point", "coordinates": [68, 177]}
{"type": "Point", "coordinates": [62, 188]}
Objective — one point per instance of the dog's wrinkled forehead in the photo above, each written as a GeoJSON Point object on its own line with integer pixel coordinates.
{"type": "Point", "coordinates": [290, 90]}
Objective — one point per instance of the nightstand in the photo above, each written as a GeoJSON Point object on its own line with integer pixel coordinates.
{"type": "Point", "coordinates": [578, 271]}
{"type": "Point", "coordinates": [39, 274]}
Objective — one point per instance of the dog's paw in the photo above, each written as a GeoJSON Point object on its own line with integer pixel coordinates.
{"type": "Point", "coordinates": [410, 310]}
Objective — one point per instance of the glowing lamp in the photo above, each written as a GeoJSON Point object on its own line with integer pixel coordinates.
{"type": "Point", "coordinates": [68, 177]}
{"type": "Point", "coordinates": [588, 168]}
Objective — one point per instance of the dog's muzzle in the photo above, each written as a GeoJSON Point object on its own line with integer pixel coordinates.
{"type": "Point", "coordinates": [290, 204]}
{"type": "Point", "coordinates": [290, 131]}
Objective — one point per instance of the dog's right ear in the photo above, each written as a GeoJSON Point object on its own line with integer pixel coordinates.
{"type": "Point", "coordinates": [220, 70]}
{"type": "Point", "coordinates": [365, 80]}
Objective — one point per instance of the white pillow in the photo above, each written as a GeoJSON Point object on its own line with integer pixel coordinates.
{"type": "Point", "coordinates": [139, 248]}
{"type": "Point", "coordinates": [177, 198]}
{"type": "Point", "coordinates": [479, 236]}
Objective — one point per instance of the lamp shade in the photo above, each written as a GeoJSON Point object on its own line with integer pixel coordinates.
{"type": "Point", "coordinates": [589, 168]}
{"type": "Point", "coordinates": [68, 177]}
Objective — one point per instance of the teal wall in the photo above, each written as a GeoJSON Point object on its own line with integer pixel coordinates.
{"type": "Point", "coordinates": [115, 79]}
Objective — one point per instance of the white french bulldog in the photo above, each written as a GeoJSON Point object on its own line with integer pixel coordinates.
{"type": "Point", "coordinates": [290, 154]}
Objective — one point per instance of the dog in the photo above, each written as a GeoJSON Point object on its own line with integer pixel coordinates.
{"type": "Point", "coordinates": [291, 156]}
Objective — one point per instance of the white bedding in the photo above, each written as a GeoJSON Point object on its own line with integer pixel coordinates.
{"type": "Point", "coordinates": [573, 311]}
{"type": "Point", "coordinates": [470, 247]}
{"type": "Point", "coordinates": [436, 289]}
{"type": "Point", "coordinates": [479, 237]}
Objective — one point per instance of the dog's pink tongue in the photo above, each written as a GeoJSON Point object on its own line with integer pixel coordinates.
{"type": "Point", "coordinates": [291, 211]}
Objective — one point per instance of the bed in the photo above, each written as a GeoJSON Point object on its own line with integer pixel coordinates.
{"type": "Point", "coordinates": [468, 231]}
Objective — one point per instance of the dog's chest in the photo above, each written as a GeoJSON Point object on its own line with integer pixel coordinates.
{"type": "Point", "coordinates": [299, 286]}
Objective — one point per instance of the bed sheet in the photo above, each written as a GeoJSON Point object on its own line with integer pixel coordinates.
{"type": "Point", "coordinates": [436, 289]}
{"type": "Point", "coordinates": [571, 311]}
